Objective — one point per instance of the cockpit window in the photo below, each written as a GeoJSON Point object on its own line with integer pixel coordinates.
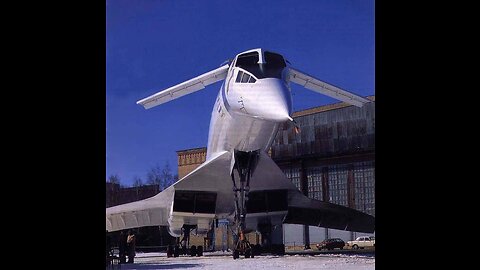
{"type": "Point", "coordinates": [275, 65]}
{"type": "Point", "coordinates": [243, 77]}
{"type": "Point", "coordinates": [247, 59]}
{"type": "Point", "coordinates": [272, 68]}
{"type": "Point", "coordinates": [239, 77]}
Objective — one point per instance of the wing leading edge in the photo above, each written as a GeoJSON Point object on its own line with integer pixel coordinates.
{"type": "Point", "coordinates": [185, 88]}
{"type": "Point", "coordinates": [159, 209]}
{"type": "Point", "coordinates": [321, 87]}
{"type": "Point", "coordinates": [213, 177]}
{"type": "Point", "coordinates": [306, 211]}
{"type": "Point", "coordinates": [153, 211]}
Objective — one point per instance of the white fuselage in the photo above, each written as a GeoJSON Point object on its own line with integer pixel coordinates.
{"type": "Point", "coordinates": [246, 116]}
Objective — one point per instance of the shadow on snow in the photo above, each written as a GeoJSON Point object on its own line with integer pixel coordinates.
{"type": "Point", "coordinates": [159, 266]}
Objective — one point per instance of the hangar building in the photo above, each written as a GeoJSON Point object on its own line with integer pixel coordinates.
{"type": "Point", "coordinates": [331, 158]}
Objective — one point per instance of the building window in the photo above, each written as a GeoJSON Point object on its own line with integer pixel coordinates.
{"type": "Point", "coordinates": [294, 175]}
{"type": "Point", "coordinates": [314, 178]}
{"type": "Point", "coordinates": [337, 183]}
{"type": "Point", "coordinates": [364, 174]}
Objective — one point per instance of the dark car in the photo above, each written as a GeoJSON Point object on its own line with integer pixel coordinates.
{"type": "Point", "coordinates": [331, 244]}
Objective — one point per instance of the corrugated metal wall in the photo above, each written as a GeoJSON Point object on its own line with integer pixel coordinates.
{"type": "Point", "coordinates": [326, 141]}
{"type": "Point", "coordinates": [336, 132]}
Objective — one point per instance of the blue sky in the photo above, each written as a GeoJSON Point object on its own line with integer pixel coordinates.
{"type": "Point", "coordinates": [152, 45]}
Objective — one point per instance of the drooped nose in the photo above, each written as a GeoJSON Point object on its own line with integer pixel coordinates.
{"type": "Point", "coordinates": [274, 101]}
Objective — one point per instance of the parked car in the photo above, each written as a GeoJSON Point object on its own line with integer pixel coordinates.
{"type": "Point", "coordinates": [362, 242]}
{"type": "Point", "coordinates": [331, 244]}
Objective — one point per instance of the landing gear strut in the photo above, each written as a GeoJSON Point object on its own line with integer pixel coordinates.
{"type": "Point", "coordinates": [245, 164]}
{"type": "Point", "coordinates": [186, 238]}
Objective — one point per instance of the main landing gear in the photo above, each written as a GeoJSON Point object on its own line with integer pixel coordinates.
{"type": "Point", "coordinates": [245, 164]}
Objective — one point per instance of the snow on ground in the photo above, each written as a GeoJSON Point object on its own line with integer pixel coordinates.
{"type": "Point", "coordinates": [215, 260]}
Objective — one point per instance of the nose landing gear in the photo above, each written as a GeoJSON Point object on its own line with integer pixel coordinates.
{"type": "Point", "coordinates": [245, 164]}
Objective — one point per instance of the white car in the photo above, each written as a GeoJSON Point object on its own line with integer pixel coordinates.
{"type": "Point", "coordinates": [361, 242]}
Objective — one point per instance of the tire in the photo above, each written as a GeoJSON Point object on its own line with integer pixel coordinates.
{"type": "Point", "coordinates": [257, 249]}
{"type": "Point", "coordinates": [169, 251]}
{"type": "Point", "coordinates": [236, 254]}
{"type": "Point", "coordinates": [341, 248]}
{"type": "Point", "coordinates": [355, 247]}
{"type": "Point", "coordinates": [193, 251]}
{"type": "Point", "coordinates": [247, 253]}
{"type": "Point", "coordinates": [176, 251]}
{"type": "Point", "coordinates": [199, 251]}
{"type": "Point", "coordinates": [281, 249]}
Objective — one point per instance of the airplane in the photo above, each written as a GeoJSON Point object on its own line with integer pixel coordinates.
{"type": "Point", "coordinates": [239, 181]}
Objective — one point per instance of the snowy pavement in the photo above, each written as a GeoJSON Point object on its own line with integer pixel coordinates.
{"type": "Point", "coordinates": [217, 261]}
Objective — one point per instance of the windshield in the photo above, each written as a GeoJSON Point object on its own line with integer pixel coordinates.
{"type": "Point", "coordinates": [271, 69]}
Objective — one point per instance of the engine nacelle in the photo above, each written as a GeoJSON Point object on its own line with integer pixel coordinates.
{"type": "Point", "coordinates": [178, 219]}
{"type": "Point", "coordinates": [192, 208]}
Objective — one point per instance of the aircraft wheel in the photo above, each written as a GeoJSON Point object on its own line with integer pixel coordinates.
{"type": "Point", "coordinates": [236, 254]}
{"type": "Point", "coordinates": [169, 251]}
{"type": "Point", "coordinates": [199, 251]}
{"type": "Point", "coordinates": [176, 251]}
{"type": "Point", "coordinates": [193, 251]}
{"type": "Point", "coordinates": [247, 253]}
{"type": "Point", "coordinates": [257, 249]}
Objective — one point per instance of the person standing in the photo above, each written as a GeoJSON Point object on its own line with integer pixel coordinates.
{"type": "Point", "coordinates": [131, 246]}
{"type": "Point", "coordinates": [122, 247]}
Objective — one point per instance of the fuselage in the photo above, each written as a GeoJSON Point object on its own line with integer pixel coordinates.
{"type": "Point", "coordinates": [253, 100]}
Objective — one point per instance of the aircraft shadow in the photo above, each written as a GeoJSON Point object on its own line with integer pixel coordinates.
{"type": "Point", "coordinates": [159, 266]}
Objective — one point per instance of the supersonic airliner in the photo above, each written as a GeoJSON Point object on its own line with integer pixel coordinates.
{"type": "Point", "coordinates": [239, 181]}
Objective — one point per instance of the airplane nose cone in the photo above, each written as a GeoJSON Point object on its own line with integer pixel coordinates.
{"type": "Point", "coordinates": [277, 102]}
{"type": "Point", "coordinates": [277, 111]}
